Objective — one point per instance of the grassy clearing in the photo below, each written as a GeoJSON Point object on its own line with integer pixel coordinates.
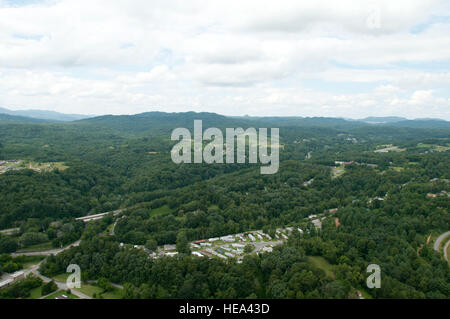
{"type": "Point", "coordinates": [109, 228]}
{"type": "Point", "coordinates": [116, 293]}
{"type": "Point", "coordinates": [337, 171]}
{"type": "Point", "coordinates": [60, 293]}
{"type": "Point", "coordinates": [39, 247]}
{"type": "Point", "coordinates": [389, 148]}
{"type": "Point", "coordinates": [90, 290]}
{"type": "Point", "coordinates": [213, 207]}
{"type": "Point", "coordinates": [160, 211]}
{"type": "Point", "coordinates": [323, 264]}
{"type": "Point", "coordinates": [365, 294]}
{"type": "Point", "coordinates": [61, 277]}
{"type": "Point", "coordinates": [35, 293]}
{"type": "Point", "coordinates": [38, 166]}
{"type": "Point", "coordinates": [434, 147]}
{"type": "Point", "coordinates": [28, 261]}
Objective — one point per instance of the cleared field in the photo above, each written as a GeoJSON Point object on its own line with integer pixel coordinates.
{"type": "Point", "coordinates": [337, 171]}
{"type": "Point", "coordinates": [434, 147]}
{"type": "Point", "coordinates": [60, 293]}
{"type": "Point", "coordinates": [323, 264]}
{"type": "Point", "coordinates": [90, 290]}
{"type": "Point", "coordinates": [35, 166]}
{"type": "Point", "coordinates": [35, 293]}
{"type": "Point", "coordinates": [116, 293]}
{"type": "Point", "coordinates": [38, 247]}
{"type": "Point", "coordinates": [390, 148]}
{"type": "Point", "coordinates": [160, 211]}
{"type": "Point", "coordinates": [28, 261]}
{"type": "Point", "coordinates": [61, 277]}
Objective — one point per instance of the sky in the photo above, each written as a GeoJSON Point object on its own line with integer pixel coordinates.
{"type": "Point", "coordinates": [349, 59]}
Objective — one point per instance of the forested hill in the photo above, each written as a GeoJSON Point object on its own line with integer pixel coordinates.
{"type": "Point", "coordinates": [387, 187]}
{"type": "Point", "coordinates": [43, 115]}
{"type": "Point", "coordinates": [160, 123]}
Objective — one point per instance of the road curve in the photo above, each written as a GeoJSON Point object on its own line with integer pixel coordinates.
{"type": "Point", "coordinates": [61, 286]}
{"type": "Point", "coordinates": [438, 241]}
{"type": "Point", "coordinates": [446, 249]}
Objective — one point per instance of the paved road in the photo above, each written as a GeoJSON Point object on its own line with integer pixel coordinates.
{"type": "Point", "coordinates": [61, 286]}
{"type": "Point", "coordinates": [45, 252]}
{"type": "Point", "coordinates": [438, 241]}
{"type": "Point", "coordinates": [98, 216]}
{"type": "Point", "coordinates": [446, 249]}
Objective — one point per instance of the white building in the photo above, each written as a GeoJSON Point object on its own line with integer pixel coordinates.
{"type": "Point", "coordinates": [171, 254]}
{"type": "Point", "coordinates": [268, 249]}
{"type": "Point", "coordinates": [228, 238]}
{"type": "Point", "coordinates": [196, 253]}
{"type": "Point", "coordinates": [317, 223]}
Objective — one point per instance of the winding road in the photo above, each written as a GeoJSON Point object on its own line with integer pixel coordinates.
{"type": "Point", "coordinates": [438, 242]}
{"type": "Point", "coordinates": [60, 285]}
{"type": "Point", "coordinates": [446, 249]}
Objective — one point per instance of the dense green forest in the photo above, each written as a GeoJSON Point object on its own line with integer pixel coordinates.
{"type": "Point", "coordinates": [383, 212]}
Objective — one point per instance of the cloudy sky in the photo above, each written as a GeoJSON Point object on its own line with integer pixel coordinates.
{"type": "Point", "coordinates": [298, 58]}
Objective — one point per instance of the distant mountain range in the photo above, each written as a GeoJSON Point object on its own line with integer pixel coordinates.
{"type": "Point", "coordinates": [404, 122]}
{"type": "Point", "coordinates": [45, 115]}
{"type": "Point", "coordinates": [143, 122]}
{"type": "Point", "coordinates": [6, 118]}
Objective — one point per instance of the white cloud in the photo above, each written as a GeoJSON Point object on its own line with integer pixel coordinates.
{"type": "Point", "coordinates": [229, 57]}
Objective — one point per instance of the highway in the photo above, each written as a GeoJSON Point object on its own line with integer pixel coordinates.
{"type": "Point", "coordinates": [45, 252]}
{"type": "Point", "coordinates": [98, 216]}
